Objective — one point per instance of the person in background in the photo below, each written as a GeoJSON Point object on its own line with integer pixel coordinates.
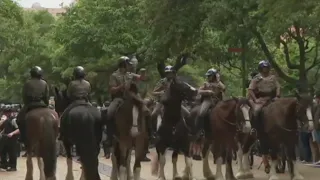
{"type": "Point", "coordinates": [106, 148]}
{"type": "Point", "coordinates": [11, 133]}
{"type": "Point", "coordinates": [143, 87]}
{"type": "Point", "coordinates": [315, 138]}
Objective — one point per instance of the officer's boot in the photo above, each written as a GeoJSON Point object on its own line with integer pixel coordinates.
{"type": "Point", "coordinates": [255, 121]}
{"type": "Point", "coordinates": [22, 128]}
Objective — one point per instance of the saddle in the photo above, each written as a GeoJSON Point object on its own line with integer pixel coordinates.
{"type": "Point", "coordinates": [73, 105]}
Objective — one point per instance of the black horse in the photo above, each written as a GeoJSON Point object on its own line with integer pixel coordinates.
{"type": "Point", "coordinates": [173, 130]}
{"type": "Point", "coordinates": [82, 127]}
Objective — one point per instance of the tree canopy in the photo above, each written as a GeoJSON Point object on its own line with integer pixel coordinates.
{"type": "Point", "coordinates": [193, 35]}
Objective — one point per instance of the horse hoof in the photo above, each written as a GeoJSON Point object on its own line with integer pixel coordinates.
{"type": "Point", "coordinates": [241, 175]}
{"type": "Point", "coordinates": [267, 170]}
{"type": "Point", "coordinates": [273, 177]}
{"type": "Point", "coordinates": [231, 178]}
{"type": "Point", "coordinates": [178, 178]}
{"type": "Point", "coordinates": [161, 178]}
{"type": "Point", "coordinates": [219, 178]}
{"type": "Point", "coordinates": [298, 177]}
{"type": "Point", "coordinates": [210, 178]}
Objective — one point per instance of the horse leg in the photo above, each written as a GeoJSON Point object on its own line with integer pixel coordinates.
{"type": "Point", "coordinates": [159, 160]}
{"type": "Point", "coordinates": [187, 173]}
{"type": "Point", "coordinates": [219, 160]}
{"type": "Point", "coordinates": [139, 155]}
{"type": "Point", "coordinates": [41, 168]}
{"type": "Point", "coordinates": [82, 173]}
{"type": "Point", "coordinates": [29, 175]}
{"type": "Point", "coordinates": [114, 154]}
{"type": "Point", "coordinates": [175, 174]}
{"type": "Point", "coordinates": [128, 165]}
{"type": "Point", "coordinates": [274, 163]}
{"type": "Point", "coordinates": [241, 173]}
{"type": "Point", "coordinates": [205, 162]}
{"type": "Point", "coordinates": [124, 153]}
{"type": "Point", "coordinates": [243, 161]}
{"type": "Point", "coordinates": [68, 146]}
{"type": "Point", "coordinates": [292, 163]}
{"type": "Point", "coordinates": [229, 171]}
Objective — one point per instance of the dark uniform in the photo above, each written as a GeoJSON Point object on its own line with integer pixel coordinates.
{"type": "Point", "coordinates": [78, 92]}
{"type": "Point", "coordinates": [9, 145]}
{"type": "Point", "coordinates": [35, 93]}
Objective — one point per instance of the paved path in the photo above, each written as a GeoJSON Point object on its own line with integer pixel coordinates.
{"type": "Point", "coordinates": [309, 173]}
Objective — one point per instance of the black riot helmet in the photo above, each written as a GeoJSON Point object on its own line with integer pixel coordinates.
{"type": "Point", "coordinates": [36, 72]}
{"type": "Point", "coordinates": [78, 72]}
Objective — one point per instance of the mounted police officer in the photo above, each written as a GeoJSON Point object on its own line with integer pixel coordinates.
{"type": "Point", "coordinates": [161, 87]}
{"type": "Point", "coordinates": [211, 92]}
{"type": "Point", "coordinates": [78, 92]}
{"type": "Point", "coordinates": [120, 80]}
{"type": "Point", "coordinates": [35, 93]}
{"type": "Point", "coordinates": [263, 88]}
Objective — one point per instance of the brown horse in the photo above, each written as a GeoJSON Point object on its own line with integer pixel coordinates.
{"type": "Point", "coordinates": [42, 128]}
{"type": "Point", "coordinates": [242, 115]}
{"type": "Point", "coordinates": [225, 123]}
{"type": "Point", "coordinates": [280, 126]}
{"type": "Point", "coordinates": [130, 133]}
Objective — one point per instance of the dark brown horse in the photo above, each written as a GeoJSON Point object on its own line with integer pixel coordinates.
{"type": "Point", "coordinates": [42, 128]}
{"type": "Point", "coordinates": [82, 127]}
{"type": "Point", "coordinates": [225, 123]}
{"type": "Point", "coordinates": [130, 134]}
{"type": "Point", "coordinates": [280, 127]}
{"type": "Point", "coordinates": [173, 130]}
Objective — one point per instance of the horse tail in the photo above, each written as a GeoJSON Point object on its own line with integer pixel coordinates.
{"type": "Point", "coordinates": [88, 147]}
{"type": "Point", "coordinates": [48, 146]}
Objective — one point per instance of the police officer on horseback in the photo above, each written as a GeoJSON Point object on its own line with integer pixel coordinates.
{"type": "Point", "coordinates": [120, 81]}
{"type": "Point", "coordinates": [35, 93]}
{"type": "Point", "coordinates": [161, 87]}
{"type": "Point", "coordinates": [78, 92]}
{"type": "Point", "coordinates": [263, 88]}
{"type": "Point", "coordinates": [211, 93]}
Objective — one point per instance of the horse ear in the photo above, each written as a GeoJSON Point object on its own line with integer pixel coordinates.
{"type": "Point", "coordinates": [56, 91]}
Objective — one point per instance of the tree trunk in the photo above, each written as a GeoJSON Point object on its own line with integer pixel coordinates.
{"type": "Point", "coordinates": [244, 66]}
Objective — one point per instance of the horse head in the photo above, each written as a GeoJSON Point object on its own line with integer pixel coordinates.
{"type": "Point", "coordinates": [304, 110]}
{"type": "Point", "coordinates": [227, 111]}
{"type": "Point", "coordinates": [244, 114]}
{"type": "Point", "coordinates": [61, 100]}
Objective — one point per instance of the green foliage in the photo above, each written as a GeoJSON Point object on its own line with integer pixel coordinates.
{"type": "Point", "coordinates": [95, 33]}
